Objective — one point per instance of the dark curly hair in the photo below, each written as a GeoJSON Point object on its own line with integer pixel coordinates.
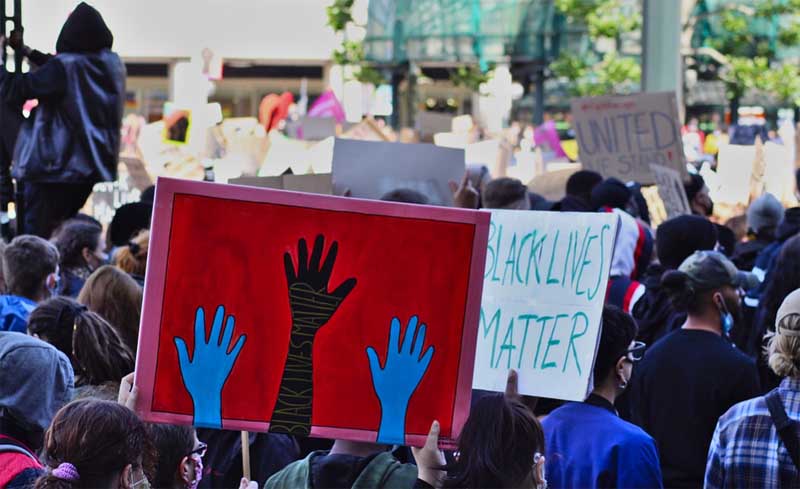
{"type": "Point", "coordinates": [72, 239]}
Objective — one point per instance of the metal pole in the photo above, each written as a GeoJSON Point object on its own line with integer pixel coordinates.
{"type": "Point", "coordinates": [538, 108]}
{"type": "Point", "coordinates": [18, 57]}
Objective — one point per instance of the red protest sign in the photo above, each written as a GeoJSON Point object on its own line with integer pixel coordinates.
{"type": "Point", "coordinates": [306, 314]}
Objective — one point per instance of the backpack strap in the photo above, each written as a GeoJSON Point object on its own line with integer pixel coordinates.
{"type": "Point", "coordinates": [787, 428]}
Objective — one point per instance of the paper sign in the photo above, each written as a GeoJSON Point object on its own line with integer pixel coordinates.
{"type": "Point", "coordinates": [490, 153]}
{"type": "Point", "coordinates": [543, 293]}
{"type": "Point", "coordinates": [310, 315]}
{"type": "Point", "coordinates": [779, 173]}
{"type": "Point", "coordinates": [671, 191]}
{"type": "Point", "coordinates": [622, 136]}
{"type": "Point", "coordinates": [371, 169]}
{"type": "Point", "coordinates": [734, 170]}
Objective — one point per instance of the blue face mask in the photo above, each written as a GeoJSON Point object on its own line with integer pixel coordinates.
{"type": "Point", "coordinates": [727, 322]}
{"type": "Point", "coordinates": [726, 317]}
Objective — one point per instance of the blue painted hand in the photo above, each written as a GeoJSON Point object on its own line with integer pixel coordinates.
{"type": "Point", "coordinates": [205, 373]}
{"type": "Point", "coordinates": [396, 381]}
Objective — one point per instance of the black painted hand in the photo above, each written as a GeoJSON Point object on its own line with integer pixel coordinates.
{"type": "Point", "coordinates": [311, 302]}
{"type": "Point", "coordinates": [312, 306]}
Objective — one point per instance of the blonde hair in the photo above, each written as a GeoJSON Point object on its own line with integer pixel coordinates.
{"type": "Point", "coordinates": [784, 350]}
{"type": "Point", "coordinates": [133, 258]}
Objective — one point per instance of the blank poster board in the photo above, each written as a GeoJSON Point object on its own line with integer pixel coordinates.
{"type": "Point", "coordinates": [370, 169]}
{"type": "Point", "coordinates": [309, 315]}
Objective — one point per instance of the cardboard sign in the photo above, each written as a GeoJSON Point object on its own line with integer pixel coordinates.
{"type": "Point", "coordinates": [317, 128]}
{"type": "Point", "coordinates": [655, 205]}
{"type": "Point", "coordinates": [553, 184]}
{"type": "Point", "coordinates": [313, 184]}
{"type": "Point", "coordinates": [309, 314]}
{"type": "Point", "coordinates": [543, 293]}
{"type": "Point", "coordinates": [430, 123]}
{"type": "Point", "coordinates": [671, 191]}
{"type": "Point", "coordinates": [371, 169]}
{"type": "Point", "coordinates": [622, 136]}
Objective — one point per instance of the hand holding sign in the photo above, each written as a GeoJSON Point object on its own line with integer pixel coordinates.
{"type": "Point", "coordinates": [399, 377]}
{"type": "Point", "coordinates": [312, 306]}
{"type": "Point", "coordinates": [205, 373]}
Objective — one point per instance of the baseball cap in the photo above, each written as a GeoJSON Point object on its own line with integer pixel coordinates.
{"type": "Point", "coordinates": [711, 269]}
{"type": "Point", "coordinates": [789, 307]}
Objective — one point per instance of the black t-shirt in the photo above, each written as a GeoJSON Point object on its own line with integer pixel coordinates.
{"type": "Point", "coordinates": [685, 382]}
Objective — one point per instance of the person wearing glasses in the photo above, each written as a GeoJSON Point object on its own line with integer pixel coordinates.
{"type": "Point", "coordinates": [690, 377]}
{"type": "Point", "coordinates": [180, 456]}
{"type": "Point", "coordinates": [587, 443]}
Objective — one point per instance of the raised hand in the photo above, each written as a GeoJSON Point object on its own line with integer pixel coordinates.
{"type": "Point", "coordinates": [205, 373]}
{"type": "Point", "coordinates": [396, 381]}
{"type": "Point", "coordinates": [312, 305]}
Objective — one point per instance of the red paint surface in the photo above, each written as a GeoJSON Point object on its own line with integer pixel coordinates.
{"type": "Point", "coordinates": [231, 253]}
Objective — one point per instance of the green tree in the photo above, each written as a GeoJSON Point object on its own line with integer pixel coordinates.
{"type": "Point", "coordinates": [350, 53]}
{"type": "Point", "coordinates": [749, 36]}
{"type": "Point", "coordinates": [597, 72]}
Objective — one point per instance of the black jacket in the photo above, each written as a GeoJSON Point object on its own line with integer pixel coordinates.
{"type": "Point", "coordinates": [74, 134]}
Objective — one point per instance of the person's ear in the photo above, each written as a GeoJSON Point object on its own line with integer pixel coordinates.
{"type": "Point", "coordinates": [86, 253]}
{"type": "Point", "coordinates": [126, 477]}
{"type": "Point", "coordinates": [619, 372]}
{"type": "Point", "coordinates": [185, 470]}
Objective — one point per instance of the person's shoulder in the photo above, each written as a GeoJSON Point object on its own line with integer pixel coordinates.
{"type": "Point", "coordinates": [743, 412]}
{"type": "Point", "coordinates": [634, 436]}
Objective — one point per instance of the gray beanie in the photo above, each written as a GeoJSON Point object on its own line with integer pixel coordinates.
{"type": "Point", "coordinates": [36, 380]}
{"type": "Point", "coordinates": [765, 212]}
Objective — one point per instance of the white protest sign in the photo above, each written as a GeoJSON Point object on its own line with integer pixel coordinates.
{"type": "Point", "coordinates": [734, 170]}
{"type": "Point", "coordinates": [622, 136]}
{"type": "Point", "coordinates": [671, 191]}
{"type": "Point", "coordinates": [779, 172]}
{"type": "Point", "coordinates": [543, 293]}
{"type": "Point", "coordinates": [371, 169]}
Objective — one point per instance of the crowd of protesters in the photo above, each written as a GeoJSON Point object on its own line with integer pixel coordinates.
{"type": "Point", "coordinates": [696, 380]}
{"type": "Point", "coordinates": [689, 388]}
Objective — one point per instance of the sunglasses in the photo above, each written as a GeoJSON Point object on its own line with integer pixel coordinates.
{"type": "Point", "coordinates": [199, 451]}
{"type": "Point", "coordinates": [636, 353]}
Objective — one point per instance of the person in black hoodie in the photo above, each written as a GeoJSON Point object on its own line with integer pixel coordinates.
{"type": "Point", "coordinates": [676, 240]}
{"type": "Point", "coordinates": [72, 141]}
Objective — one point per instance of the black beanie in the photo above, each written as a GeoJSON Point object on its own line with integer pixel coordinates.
{"type": "Point", "coordinates": [681, 236]}
{"type": "Point", "coordinates": [128, 221]}
{"type": "Point", "coordinates": [581, 183]}
{"type": "Point", "coordinates": [611, 193]}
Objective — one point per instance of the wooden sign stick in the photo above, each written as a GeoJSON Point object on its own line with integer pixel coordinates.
{"type": "Point", "coordinates": [246, 455]}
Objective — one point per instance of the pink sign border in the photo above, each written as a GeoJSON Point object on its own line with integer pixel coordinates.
{"type": "Point", "coordinates": [167, 188]}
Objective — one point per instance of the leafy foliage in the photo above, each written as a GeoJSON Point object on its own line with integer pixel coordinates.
{"type": "Point", "coordinates": [340, 14]}
{"type": "Point", "coordinates": [350, 52]}
{"type": "Point", "coordinates": [599, 73]}
{"type": "Point", "coordinates": [751, 54]}
{"type": "Point", "coordinates": [470, 77]}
